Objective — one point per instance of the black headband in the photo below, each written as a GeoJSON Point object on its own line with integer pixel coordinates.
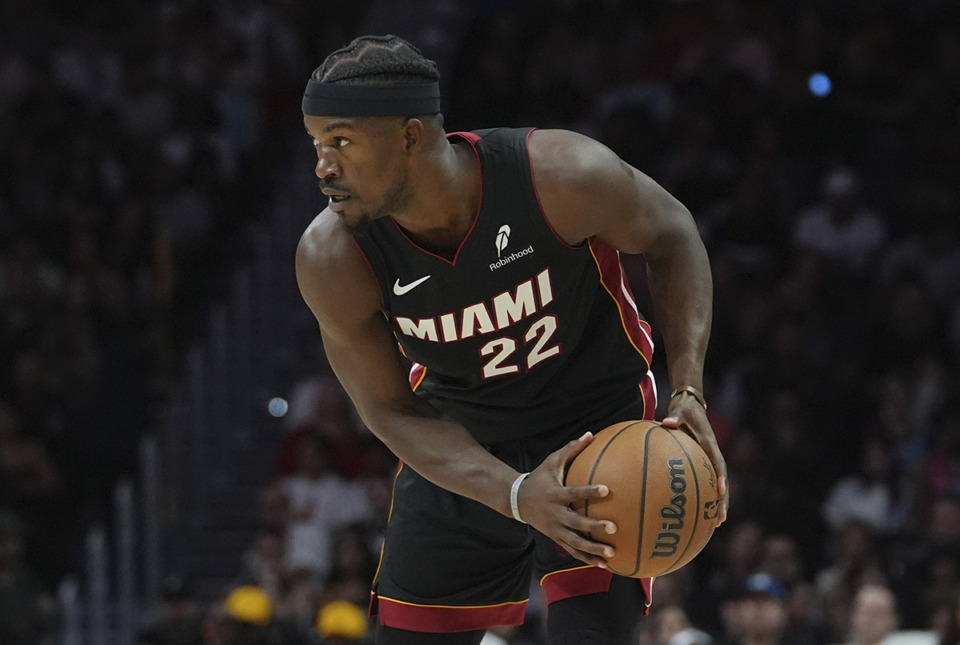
{"type": "Point", "coordinates": [329, 99]}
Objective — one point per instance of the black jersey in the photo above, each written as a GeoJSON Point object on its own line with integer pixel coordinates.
{"type": "Point", "coordinates": [520, 333]}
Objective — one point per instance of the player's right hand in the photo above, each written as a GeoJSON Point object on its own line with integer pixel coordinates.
{"type": "Point", "coordinates": [546, 505]}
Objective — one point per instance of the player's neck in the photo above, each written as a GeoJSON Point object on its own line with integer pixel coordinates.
{"type": "Point", "coordinates": [446, 198]}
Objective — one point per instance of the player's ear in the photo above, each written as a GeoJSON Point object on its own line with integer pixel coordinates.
{"type": "Point", "coordinates": [413, 133]}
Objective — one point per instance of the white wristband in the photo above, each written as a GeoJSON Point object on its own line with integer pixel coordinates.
{"type": "Point", "coordinates": [514, 491]}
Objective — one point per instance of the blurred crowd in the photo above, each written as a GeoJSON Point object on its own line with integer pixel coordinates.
{"type": "Point", "coordinates": [816, 143]}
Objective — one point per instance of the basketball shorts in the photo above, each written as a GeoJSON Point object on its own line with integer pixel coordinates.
{"type": "Point", "coordinates": [451, 564]}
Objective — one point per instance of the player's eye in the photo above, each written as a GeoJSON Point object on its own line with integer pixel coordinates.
{"type": "Point", "coordinates": [338, 142]}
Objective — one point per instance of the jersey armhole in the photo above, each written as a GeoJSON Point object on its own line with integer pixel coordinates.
{"type": "Point", "coordinates": [536, 195]}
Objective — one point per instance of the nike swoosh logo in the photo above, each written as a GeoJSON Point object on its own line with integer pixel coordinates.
{"type": "Point", "coordinates": [402, 289]}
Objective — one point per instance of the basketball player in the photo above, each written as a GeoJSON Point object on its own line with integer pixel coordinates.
{"type": "Point", "coordinates": [489, 260]}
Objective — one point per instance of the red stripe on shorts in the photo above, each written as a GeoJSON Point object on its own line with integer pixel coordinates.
{"type": "Point", "coordinates": [442, 619]}
{"type": "Point", "coordinates": [570, 583]}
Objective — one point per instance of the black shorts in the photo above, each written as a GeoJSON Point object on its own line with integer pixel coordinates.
{"type": "Point", "coordinates": [452, 564]}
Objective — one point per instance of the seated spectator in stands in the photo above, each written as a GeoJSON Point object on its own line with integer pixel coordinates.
{"type": "Point", "coordinates": [940, 589]}
{"type": "Point", "coordinates": [320, 406]}
{"type": "Point", "coordinates": [672, 626]}
{"type": "Point", "coordinates": [296, 604]}
{"type": "Point", "coordinates": [263, 561]}
{"type": "Point", "coordinates": [757, 615]}
{"type": "Point", "coordinates": [243, 618]}
{"type": "Point", "coordinates": [781, 558]}
{"type": "Point", "coordinates": [873, 494]}
{"type": "Point", "coordinates": [353, 565]}
{"type": "Point", "coordinates": [179, 622]}
{"type": "Point", "coordinates": [319, 502]}
{"type": "Point", "coordinates": [841, 227]}
{"type": "Point", "coordinates": [805, 613]}
{"type": "Point", "coordinates": [874, 616]}
{"type": "Point", "coordinates": [740, 547]}
{"type": "Point", "coordinates": [341, 623]}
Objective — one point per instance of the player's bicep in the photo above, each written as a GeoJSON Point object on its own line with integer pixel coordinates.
{"type": "Point", "coordinates": [339, 288]}
{"type": "Point", "coordinates": [371, 369]}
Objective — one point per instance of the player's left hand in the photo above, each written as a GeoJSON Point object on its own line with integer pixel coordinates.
{"type": "Point", "coordinates": [685, 413]}
{"type": "Point", "coordinates": [546, 505]}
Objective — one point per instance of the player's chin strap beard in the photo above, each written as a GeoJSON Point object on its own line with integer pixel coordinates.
{"type": "Point", "coordinates": [333, 99]}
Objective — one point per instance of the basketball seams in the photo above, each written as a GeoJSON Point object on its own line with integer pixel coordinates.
{"type": "Point", "coordinates": [596, 464]}
{"type": "Point", "coordinates": [643, 496]}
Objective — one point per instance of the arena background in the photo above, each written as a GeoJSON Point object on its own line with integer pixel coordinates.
{"type": "Point", "coordinates": [159, 372]}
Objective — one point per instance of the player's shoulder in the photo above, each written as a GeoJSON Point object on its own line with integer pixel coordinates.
{"type": "Point", "coordinates": [566, 160]}
{"type": "Point", "coordinates": [327, 256]}
{"type": "Point", "coordinates": [568, 156]}
{"type": "Point", "coordinates": [324, 240]}
{"type": "Point", "coordinates": [333, 276]}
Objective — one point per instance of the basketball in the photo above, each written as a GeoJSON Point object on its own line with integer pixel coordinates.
{"type": "Point", "coordinates": [663, 496]}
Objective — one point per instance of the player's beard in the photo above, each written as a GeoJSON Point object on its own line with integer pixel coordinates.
{"type": "Point", "coordinates": [398, 198]}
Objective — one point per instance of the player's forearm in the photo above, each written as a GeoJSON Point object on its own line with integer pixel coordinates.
{"type": "Point", "coordinates": [682, 290]}
{"type": "Point", "coordinates": [443, 452]}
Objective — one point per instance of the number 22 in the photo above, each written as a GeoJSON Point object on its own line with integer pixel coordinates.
{"type": "Point", "coordinates": [502, 348]}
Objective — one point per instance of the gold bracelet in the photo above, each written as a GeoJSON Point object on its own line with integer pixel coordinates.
{"type": "Point", "coordinates": [694, 392]}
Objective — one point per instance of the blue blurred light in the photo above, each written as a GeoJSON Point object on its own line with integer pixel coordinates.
{"type": "Point", "coordinates": [819, 84]}
{"type": "Point", "coordinates": [278, 407]}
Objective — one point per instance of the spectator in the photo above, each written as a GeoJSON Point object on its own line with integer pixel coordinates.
{"type": "Point", "coordinates": [874, 616]}
{"type": "Point", "coordinates": [318, 502]}
{"type": "Point", "coordinates": [179, 622]}
{"type": "Point", "coordinates": [341, 623]}
{"type": "Point", "coordinates": [673, 627]}
{"type": "Point", "coordinates": [873, 495]}
{"type": "Point", "coordinates": [758, 615]}
{"type": "Point", "coordinates": [263, 561]}
{"type": "Point", "coordinates": [354, 564]}
{"type": "Point", "coordinates": [841, 228]}
{"type": "Point", "coordinates": [320, 406]}
{"type": "Point", "coordinates": [245, 618]}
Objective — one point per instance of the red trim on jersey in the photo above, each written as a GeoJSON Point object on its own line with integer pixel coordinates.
{"type": "Point", "coordinates": [648, 390]}
{"type": "Point", "coordinates": [472, 139]}
{"type": "Point", "coordinates": [536, 194]}
{"type": "Point", "coordinates": [383, 302]}
{"type": "Point", "coordinates": [442, 619]}
{"type": "Point", "coordinates": [417, 372]}
{"type": "Point", "coordinates": [647, 584]}
{"type": "Point", "coordinates": [615, 282]}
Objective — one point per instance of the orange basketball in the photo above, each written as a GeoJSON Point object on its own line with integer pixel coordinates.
{"type": "Point", "coordinates": [663, 495]}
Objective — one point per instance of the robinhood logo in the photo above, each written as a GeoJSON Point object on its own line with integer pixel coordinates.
{"type": "Point", "coordinates": [503, 238]}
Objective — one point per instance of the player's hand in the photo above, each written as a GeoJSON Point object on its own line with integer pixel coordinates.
{"type": "Point", "coordinates": [685, 413]}
{"type": "Point", "coordinates": [545, 504]}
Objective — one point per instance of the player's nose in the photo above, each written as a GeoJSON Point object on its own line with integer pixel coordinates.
{"type": "Point", "coordinates": [327, 165]}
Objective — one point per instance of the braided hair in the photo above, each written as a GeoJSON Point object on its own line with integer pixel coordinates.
{"type": "Point", "coordinates": [377, 60]}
